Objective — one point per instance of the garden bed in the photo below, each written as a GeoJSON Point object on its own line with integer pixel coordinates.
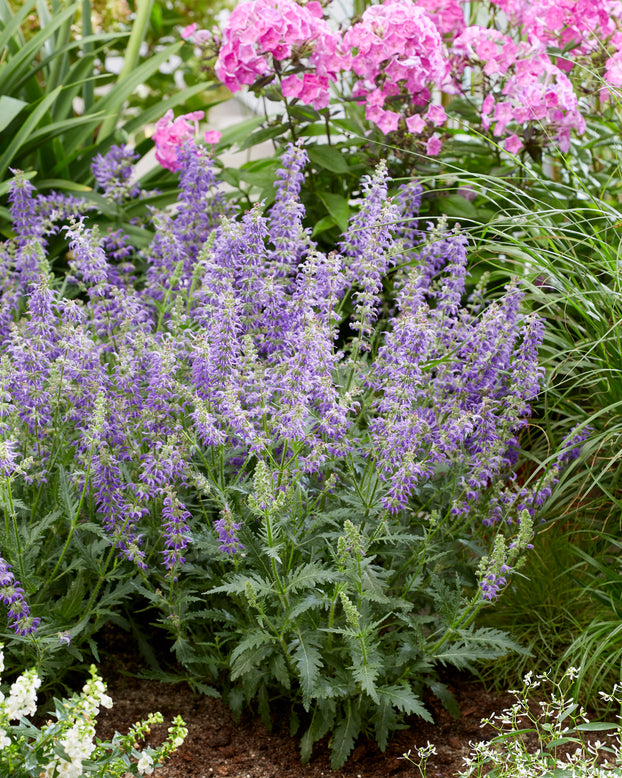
{"type": "Point", "coordinates": [217, 745]}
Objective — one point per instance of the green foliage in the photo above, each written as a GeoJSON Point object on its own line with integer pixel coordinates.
{"type": "Point", "coordinates": [597, 649]}
{"type": "Point", "coordinates": [560, 729]}
{"type": "Point", "coordinates": [544, 606]}
{"type": "Point", "coordinates": [59, 107]}
{"type": "Point", "coordinates": [347, 610]}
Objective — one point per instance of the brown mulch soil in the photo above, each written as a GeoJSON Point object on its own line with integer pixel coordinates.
{"type": "Point", "coordinates": [217, 745]}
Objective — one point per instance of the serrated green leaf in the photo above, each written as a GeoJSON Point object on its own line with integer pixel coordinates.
{"type": "Point", "coordinates": [279, 671]}
{"type": "Point", "coordinates": [321, 722]}
{"type": "Point", "coordinates": [72, 602]}
{"type": "Point", "coordinates": [249, 655]}
{"type": "Point", "coordinates": [365, 675]}
{"type": "Point", "coordinates": [308, 576]}
{"type": "Point", "coordinates": [308, 661]}
{"type": "Point", "coordinates": [405, 700]}
{"type": "Point", "coordinates": [308, 603]}
{"type": "Point", "coordinates": [443, 693]}
{"type": "Point", "coordinates": [236, 702]}
{"type": "Point", "coordinates": [385, 721]}
{"type": "Point", "coordinates": [345, 734]}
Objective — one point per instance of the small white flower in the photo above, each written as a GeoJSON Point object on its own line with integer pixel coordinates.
{"type": "Point", "coordinates": [145, 764]}
{"type": "Point", "coordinates": [4, 740]}
{"type": "Point", "coordinates": [22, 700]}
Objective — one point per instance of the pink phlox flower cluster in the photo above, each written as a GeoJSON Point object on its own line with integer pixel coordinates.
{"type": "Point", "coordinates": [171, 134]}
{"type": "Point", "coordinates": [581, 25]}
{"type": "Point", "coordinates": [528, 87]}
{"type": "Point", "coordinates": [496, 50]}
{"type": "Point", "coordinates": [613, 74]}
{"type": "Point", "coordinates": [395, 45]}
{"type": "Point", "coordinates": [260, 31]}
{"type": "Point", "coordinates": [447, 15]}
{"type": "Point", "coordinates": [547, 98]}
{"type": "Point", "coordinates": [199, 37]}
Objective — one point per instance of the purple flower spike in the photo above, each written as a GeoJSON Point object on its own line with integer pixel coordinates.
{"type": "Point", "coordinates": [227, 530]}
{"type": "Point", "coordinates": [113, 171]}
{"type": "Point", "coordinates": [176, 530]}
{"type": "Point", "coordinates": [12, 595]}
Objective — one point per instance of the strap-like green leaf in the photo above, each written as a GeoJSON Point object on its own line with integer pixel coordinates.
{"type": "Point", "coordinates": [11, 71]}
{"type": "Point", "coordinates": [113, 101]}
{"type": "Point", "coordinates": [346, 733]}
{"type": "Point", "coordinates": [365, 675]}
{"type": "Point", "coordinates": [9, 109]}
{"type": "Point", "coordinates": [27, 128]}
{"type": "Point", "coordinates": [10, 22]}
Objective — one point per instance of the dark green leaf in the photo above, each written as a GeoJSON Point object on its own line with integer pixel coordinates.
{"type": "Point", "coordinates": [329, 158]}
{"type": "Point", "coordinates": [346, 732]}
{"type": "Point", "coordinates": [309, 662]}
{"type": "Point", "coordinates": [337, 206]}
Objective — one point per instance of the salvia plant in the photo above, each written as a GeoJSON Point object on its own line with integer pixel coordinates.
{"type": "Point", "coordinates": [304, 462]}
{"type": "Point", "coordinates": [66, 747]}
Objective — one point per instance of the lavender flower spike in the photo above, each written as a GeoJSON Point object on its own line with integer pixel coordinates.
{"type": "Point", "coordinates": [12, 595]}
{"type": "Point", "coordinates": [227, 533]}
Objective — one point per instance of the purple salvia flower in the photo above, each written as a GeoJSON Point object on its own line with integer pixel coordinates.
{"type": "Point", "coordinates": [169, 263]}
{"type": "Point", "coordinates": [34, 217]}
{"type": "Point", "coordinates": [8, 457]}
{"type": "Point", "coordinates": [290, 240]}
{"type": "Point", "coordinates": [452, 282]}
{"type": "Point", "coordinates": [180, 239]}
{"type": "Point", "coordinates": [571, 445]}
{"type": "Point", "coordinates": [118, 511]}
{"type": "Point", "coordinates": [88, 260]}
{"type": "Point", "coordinates": [113, 173]}
{"type": "Point", "coordinates": [201, 201]}
{"type": "Point", "coordinates": [176, 531]}
{"type": "Point", "coordinates": [163, 464]}
{"type": "Point", "coordinates": [227, 530]}
{"type": "Point", "coordinates": [10, 293]}
{"type": "Point", "coordinates": [32, 350]}
{"type": "Point", "coordinates": [493, 583]}
{"type": "Point", "coordinates": [30, 264]}
{"type": "Point", "coordinates": [27, 221]}
{"type": "Point", "coordinates": [12, 595]}
{"type": "Point", "coordinates": [367, 250]}
{"type": "Point", "coordinates": [408, 201]}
